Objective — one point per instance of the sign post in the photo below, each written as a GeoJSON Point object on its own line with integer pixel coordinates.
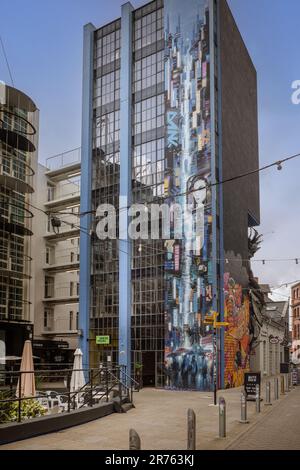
{"type": "Point", "coordinates": [212, 320]}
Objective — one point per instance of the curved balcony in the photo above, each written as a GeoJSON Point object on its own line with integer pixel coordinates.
{"type": "Point", "coordinates": [16, 140]}
{"type": "Point", "coordinates": [16, 174]}
{"type": "Point", "coordinates": [17, 309]}
{"type": "Point", "coordinates": [18, 99]}
{"type": "Point", "coordinates": [15, 219]}
{"type": "Point", "coordinates": [15, 265]}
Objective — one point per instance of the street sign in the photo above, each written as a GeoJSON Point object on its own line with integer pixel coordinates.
{"type": "Point", "coordinates": [274, 339]}
{"type": "Point", "coordinates": [250, 382]}
{"type": "Point", "coordinates": [102, 339]}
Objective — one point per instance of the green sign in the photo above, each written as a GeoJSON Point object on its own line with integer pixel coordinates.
{"type": "Point", "coordinates": [102, 339]}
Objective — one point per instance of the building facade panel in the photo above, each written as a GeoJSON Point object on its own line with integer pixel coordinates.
{"type": "Point", "coordinates": [184, 139]}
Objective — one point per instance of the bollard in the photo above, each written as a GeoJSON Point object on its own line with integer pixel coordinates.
{"type": "Point", "coordinates": [286, 380]}
{"type": "Point", "coordinates": [134, 440]}
{"type": "Point", "coordinates": [243, 419]}
{"type": "Point", "coordinates": [191, 431]}
{"type": "Point", "coordinates": [290, 381]}
{"type": "Point", "coordinates": [268, 394]}
{"type": "Point", "coordinates": [222, 418]}
{"type": "Point", "coordinates": [276, 388]}
{"type": "Point", "coordinates": [282, 384]}
{"type": "Point", "coordinates": [257, 398]}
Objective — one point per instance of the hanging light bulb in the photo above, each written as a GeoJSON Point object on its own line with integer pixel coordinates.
{"type": "Point", "coordinates": [140, 248]}
{"type": "Point", "coordinates": [227, 261]}
{"type": "Point", "coordinates": [263, 261]}
{"type": "Point", "coordinates": [297, 261]}
{"type": "Point", "coordinates": [279, 166]}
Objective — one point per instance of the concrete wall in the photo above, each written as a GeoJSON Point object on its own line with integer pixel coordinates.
{"type": "Point", "coordinates": [239, 138]}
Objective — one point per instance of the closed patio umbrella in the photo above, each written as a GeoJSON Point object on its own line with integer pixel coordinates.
{"type": "Point", "coordinates": [27, 380]}
{"type": "Point", "coordinates": [77, 378]}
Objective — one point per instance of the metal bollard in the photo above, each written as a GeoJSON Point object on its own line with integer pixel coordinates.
{"type": "Point", "coordinates": [268, 394]}
{"type": "Point", "coordinates": [191, 431]}
{"type": "Point", "coordinates": [222, 418]}
{"type": "Point", "coordinates": [282, 385]}
{"type": "Point", "coordinates": [257, 398]}
{"type": "Point", "coordinates": [134, 440]}
{"type": "Point", "coordinates": [243, 419]}
{"type": "Point", "coordinates": [276, 388]}
{"type": "Point", "coordinates": [286, 379]}
{"type": "Point", "coordinates": [290, 381]}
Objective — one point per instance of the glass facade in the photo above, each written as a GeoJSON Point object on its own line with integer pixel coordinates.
{"type": "Point", "coordinates": [175, 152]}
{"type": "Point", "coordinates": [147, 335]}
{"type": "Point", "coordinates": [18, 140]}
{"type": "Point", "coordinates": [105, 189]}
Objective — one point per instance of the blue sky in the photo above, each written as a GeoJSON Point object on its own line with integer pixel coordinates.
{"type": "Point", "coordinates": [43, 40]}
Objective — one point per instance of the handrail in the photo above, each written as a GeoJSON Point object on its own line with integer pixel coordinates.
{"type": "Point", "coordinates": [102, 381]}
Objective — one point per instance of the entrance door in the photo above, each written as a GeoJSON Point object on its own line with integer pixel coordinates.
{"type": "Point", "coordinates": [148, 370]}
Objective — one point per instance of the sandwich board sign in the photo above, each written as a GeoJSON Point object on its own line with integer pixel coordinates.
{"type": "Point", "coordinates": [251, 379]}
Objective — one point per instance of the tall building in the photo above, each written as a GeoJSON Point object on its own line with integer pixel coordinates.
{"type": "Point", "coordinates": [169, 112]}
{"type": "Point", "coordinates": [18, 160]}
{"type": "Point", "coordinates": [56, 260]}
{"type": "Point", "coordinates": [295, 310]}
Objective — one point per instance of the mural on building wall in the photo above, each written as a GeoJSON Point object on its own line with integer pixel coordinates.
{"type": "Point", "coordinates": [188, 269]}
{"type": "Point", "coordinates": [237, 335]}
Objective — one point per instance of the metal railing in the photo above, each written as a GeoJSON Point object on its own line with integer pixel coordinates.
{"type": "Point", "coordinates": [104, 385]}
{"type": "Point", "coordinates": [64, 159]}
{"type": "Point", "coordinates": [65, 190]}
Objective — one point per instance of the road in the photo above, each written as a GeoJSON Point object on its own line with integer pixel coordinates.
{"type": "Point", "coordinates": [279, 430]}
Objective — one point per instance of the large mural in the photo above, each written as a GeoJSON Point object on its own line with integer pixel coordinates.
{"type": "Point", "coordinates": [237, 335]}
{"type": "Point", "coordinates": [188, 269]}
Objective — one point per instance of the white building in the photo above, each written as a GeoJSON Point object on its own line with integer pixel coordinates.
{"type": "Point", "coordinates": [271, 348]}
{"type": "Point", "coordinates": [56, 261]}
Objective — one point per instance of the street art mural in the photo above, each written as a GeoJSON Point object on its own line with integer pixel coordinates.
{"type": "Point", "coordinates": [188, 268]}
{"type": "Point", "coordinates": [237, 336]}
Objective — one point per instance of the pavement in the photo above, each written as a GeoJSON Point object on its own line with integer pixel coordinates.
{"type": "Point", "coordinates": [279, 430]}
{"type": "Point", "coordinates": [160, 418]}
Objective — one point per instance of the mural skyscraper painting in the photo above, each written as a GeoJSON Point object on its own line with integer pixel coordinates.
{"type": "Point", "coordinates": [169, 114]}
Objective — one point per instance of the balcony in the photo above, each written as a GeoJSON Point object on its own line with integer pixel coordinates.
{"type": "Point", "coordinates": [62, 195]}
{"type": "Point", "coordinates": [66, 226]}
{"type": "Point", "coordinates": [64, 166]}
{"type": "Point", "coordinates": [61, 294]}
{"type": "Point", "coordinates": [15, 174]}
{"type": "Point", "coordinates": [14, 217]}
{"type": "Point", "coordinates": [60, 261]}
{"type": "Point", "coordinates": [15, 265]}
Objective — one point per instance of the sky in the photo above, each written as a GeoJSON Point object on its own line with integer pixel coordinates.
{"type": "Point", "coordinates": [43, 42]}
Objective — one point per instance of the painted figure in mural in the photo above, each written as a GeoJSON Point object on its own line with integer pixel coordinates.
{"type": "Point", "coordinates": [237, 336]}
{"type": "Point", "coordinates": [188, 282]}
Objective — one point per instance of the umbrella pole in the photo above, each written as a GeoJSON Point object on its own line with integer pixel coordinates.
{"type": "Point", "coordinates": [20, 393]}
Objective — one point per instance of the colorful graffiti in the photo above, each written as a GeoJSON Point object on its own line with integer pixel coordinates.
{"type": "Point", "coordinates": [188, 271]}
{"type": "Point", "coordinates": [237, 337]}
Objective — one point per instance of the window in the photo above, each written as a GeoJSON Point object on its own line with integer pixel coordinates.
{"type": "Point", "coordinates": [50, 192]}
{"type": "Point", "coordinates": [71, 321]}
{"type": "Point", "coordinates": [49, 287]}
{"type": "Point", "coordinates": [77, 320]}
{"type": "Point", "coordinates": [45, 319]}
{"type": "Point", "coordinates": [71, 289]}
